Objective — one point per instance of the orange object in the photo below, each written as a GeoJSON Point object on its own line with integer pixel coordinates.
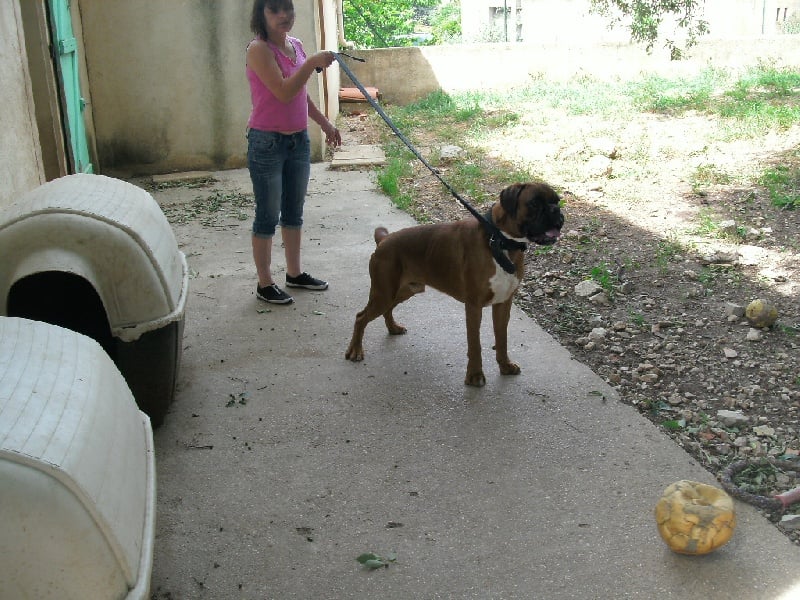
{"type": "Point", "coordinates": [695, 518]}
{"type": "Point", "coordinates": [352, 94]}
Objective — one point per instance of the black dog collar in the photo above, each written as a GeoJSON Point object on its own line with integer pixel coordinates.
{"type": "Point", "coordinates": [499, 243]}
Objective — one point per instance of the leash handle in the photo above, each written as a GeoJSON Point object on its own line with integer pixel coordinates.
{"type": "Point", "coordinates": [337, 54]}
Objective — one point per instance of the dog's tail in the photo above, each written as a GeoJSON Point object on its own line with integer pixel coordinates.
{"type": "Point", "coordinates": [380, 233]}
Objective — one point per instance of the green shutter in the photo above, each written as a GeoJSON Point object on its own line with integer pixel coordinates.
{"type": "Point", "coordinates": [66, 48]}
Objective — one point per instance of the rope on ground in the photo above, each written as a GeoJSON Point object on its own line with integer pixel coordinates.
{"type": "Point", "coordinates": [774, 504]}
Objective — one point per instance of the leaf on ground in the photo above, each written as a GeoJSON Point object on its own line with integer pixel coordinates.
{"type": "Point", "coordinates": [370, 560]}
{"type": "Point", "coordinates": [367, 556]}
{"type": "Point", "coordinates": [374, 564]}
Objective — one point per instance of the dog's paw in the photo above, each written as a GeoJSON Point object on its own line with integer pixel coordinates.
{"type": "Point", "coordinates": [477, 379]}
{"type": "Point", "coordinates": [354, 354]}
{"type": "Point", "coordinates": [396, 329]}
{"type": "Point", "coordinates": [510, 368]}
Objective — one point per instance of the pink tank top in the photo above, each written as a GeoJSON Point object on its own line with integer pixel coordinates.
{"type": "Point", "coordinates": [269, 113]}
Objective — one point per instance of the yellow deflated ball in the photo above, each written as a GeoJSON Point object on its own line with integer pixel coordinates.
{"type": "Point", "coordinates": [761, 313]}
{"type": "Point", "coordinates": [695, 518]}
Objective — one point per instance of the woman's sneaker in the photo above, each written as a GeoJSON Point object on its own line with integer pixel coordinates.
{"type": "Point", "coordinates": [304, 280]}
{"type": "Point", "coordinates": [273, 294]}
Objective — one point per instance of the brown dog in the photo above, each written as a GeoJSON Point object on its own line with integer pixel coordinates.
{"type": "Point", "coordinates": [456, 258]}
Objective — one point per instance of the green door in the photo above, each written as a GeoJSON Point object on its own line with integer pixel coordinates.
{"type": "Point", "coordinates": [65, 54]}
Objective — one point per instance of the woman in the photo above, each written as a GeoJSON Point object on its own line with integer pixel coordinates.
{"type": "Point", "coordinates": [278, 150]}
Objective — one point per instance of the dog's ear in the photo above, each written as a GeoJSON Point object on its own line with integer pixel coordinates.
{"type": "Point", "coordinates": [509, 198]}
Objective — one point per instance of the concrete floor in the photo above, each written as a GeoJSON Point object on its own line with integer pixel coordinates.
{"type": "Point", "coordinates": [280, 462]}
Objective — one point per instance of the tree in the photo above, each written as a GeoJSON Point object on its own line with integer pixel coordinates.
{"type": "Point", "coordinates": [446, 23]}
{"type": "Point", "coordinates": [645, 18]}
{"type": "Point", "coordinates": [384, 23]}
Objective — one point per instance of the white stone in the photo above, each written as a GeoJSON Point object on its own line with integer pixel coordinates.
{"type": "Point", "coordinates": [587, 288]}
{"type": "Point", "coordinates": [732, 418]}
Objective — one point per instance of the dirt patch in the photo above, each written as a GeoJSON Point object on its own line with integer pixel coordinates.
{"type": "Point", "coordinates": [667, 240]}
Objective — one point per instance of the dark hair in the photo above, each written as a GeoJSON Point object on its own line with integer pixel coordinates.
{"type": "Point", "coordinates": [258, 24]}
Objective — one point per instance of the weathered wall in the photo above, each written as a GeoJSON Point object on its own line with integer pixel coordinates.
{"type": "Point", "coordinates": [404, 75]}
{"type": "Point", "coordinates": [168, 84]}
{"type": "Point", "coordinates": [21, 166]}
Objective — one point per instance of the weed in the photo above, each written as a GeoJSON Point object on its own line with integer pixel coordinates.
{"type": "Point", "coordinates": [706, 176]}
{"type": "Point", "coordinates": [674, 425]}
{"type": "Point", "coordinates": [783, 184]}
{"type": "Point", "coordinates": [789, 331]}
{"type": "Point", "coordinates": [659, 94]}
{"type": "Point", "coordinates": [637, 319]}
{"type": "Point", "coordinates": [710, 274]}
{"type": "Point", "coordinates": [666, 252]}
{"type": "Point", "coordinates": [757, 479]}
{"type": "Point", "coordinates": [542, 250]}
{"type": "Point", "coordinates": [706, 224]}
{"type": "Point", "coordinates": [603, 276]}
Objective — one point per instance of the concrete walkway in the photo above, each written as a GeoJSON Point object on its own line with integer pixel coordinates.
{"type": "Point", "coordinates": [281, 462]}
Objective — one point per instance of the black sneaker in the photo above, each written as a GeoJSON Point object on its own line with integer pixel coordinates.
{"type": "Point", "coordinates": [304, 280]}
{"type": "Point", "coordinates": [273, 294]}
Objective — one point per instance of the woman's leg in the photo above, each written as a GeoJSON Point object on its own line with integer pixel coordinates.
{"type": "Point", "coordinates": [262, 257]}
{"type": "Point", "coordinates": [291, 245]}
{"type": "Point", "coordinates": [296, 172]}
{"type": "Point", "coordinates": [265, 162]}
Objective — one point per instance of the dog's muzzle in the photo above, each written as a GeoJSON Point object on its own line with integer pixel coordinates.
{"type": "Point", "coordinates": [547, 238]}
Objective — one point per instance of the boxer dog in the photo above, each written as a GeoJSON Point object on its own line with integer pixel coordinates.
{"type": "Point", "coordinates": [463, 260]}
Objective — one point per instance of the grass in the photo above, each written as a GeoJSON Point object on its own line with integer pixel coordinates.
{"type": "Point", "coordinates": [637, 319]}
{"type": "Point", "coordinates": [604, 277]}
{"type": "Point", "coordinates": [706, 176]}
{"type": "Point", "coordinates": [666, 251]}
{"type": "Point", "coordinates": [763, 99]}
{"type": "Point", "coordinates": [390, 177]}
{"type": "Point", "coordinates": [783, 185]}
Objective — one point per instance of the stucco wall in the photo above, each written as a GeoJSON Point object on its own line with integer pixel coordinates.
{"type": "Point", "coordinates": [404, 75]}
{"type": "Point", "coordinates": [168, 85]}
{"type": "Point", "coordinates": [20, 158]}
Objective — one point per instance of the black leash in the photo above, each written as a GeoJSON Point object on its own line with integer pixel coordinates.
{"type": "Point", "coordinates": [498, 242]}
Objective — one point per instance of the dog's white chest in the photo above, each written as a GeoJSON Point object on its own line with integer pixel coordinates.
{"type": "Point", "coordinates": [503, 285]}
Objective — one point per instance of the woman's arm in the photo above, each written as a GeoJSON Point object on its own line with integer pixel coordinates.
{"type": "Point", "coordinates": [332, 135]}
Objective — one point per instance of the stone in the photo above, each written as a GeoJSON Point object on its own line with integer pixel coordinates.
{"type": "Point", "coordinates": [754, 335]}
{"type": "Point", "coordinates": [600, 299]}
{"type": "Point", "coordinates": [728, 227]}
{"type": "Point", "coordinates": [732, 418]}
{"type": "Point", "coordinates": [450, 152]}
{"type": "Point", "coordinates": [733, 309]}
{"type": "Point", "coordinates": [587, 288]}
{"type": "Point", "coordinates": [598, 333]}
{"type": "Point", "coordinates": [790, 522]}
{"type": "Point", "coordinates": [764, 431]}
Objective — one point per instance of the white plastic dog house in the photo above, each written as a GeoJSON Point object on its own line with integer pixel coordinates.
{"type": "Point", "coordinates": [77, 470]}
{"type": "Point", "coordinates": [96, 255]}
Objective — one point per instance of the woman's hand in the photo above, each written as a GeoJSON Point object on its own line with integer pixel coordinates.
{"type": "Point", "coordinates": [321, 60]}
{"type": "Point", "coordinates": [332, 135]}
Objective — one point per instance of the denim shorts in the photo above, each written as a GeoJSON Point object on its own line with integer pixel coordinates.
{"type": "Point", "coordinates": [279, 166]}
